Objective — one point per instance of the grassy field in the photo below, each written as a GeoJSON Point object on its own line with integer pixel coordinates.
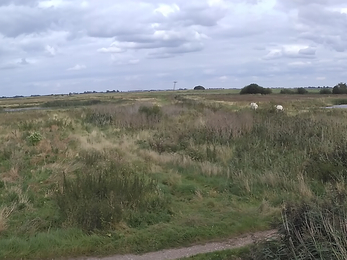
{"type": "Point", "coordinates": [138, 172]}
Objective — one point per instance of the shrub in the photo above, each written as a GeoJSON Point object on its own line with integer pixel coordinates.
{"type": "Point", "coordinates": [255, 89]}
{"type": "Point", "coordinates": [34, 138]}
{"type": "Point", "coordinates": [199, 88]}
{"type": "Point", "coordinates": [301, 91]}
{"type": "Point", "coordinates": [287, 91]}
{"type": "Point", "coordinates": [133, 117]}
{"type": "Point", "coordinates": [340, 101]}
{"type": "Point", "coordinates": [325, 91]}
{"type": "Point", "coordinates": [151, 112]}
{"type": "Point", "coordinates": [310, 230]}
{"type": "Point", "coordinates": [340, 88]}
{"type": "Point", "coordinates": [98, 201]}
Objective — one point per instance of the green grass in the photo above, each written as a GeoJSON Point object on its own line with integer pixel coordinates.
{"type": "Point", "coordinates": [190, 169]}
{"type": "Point", "coordinates": [230, 254]}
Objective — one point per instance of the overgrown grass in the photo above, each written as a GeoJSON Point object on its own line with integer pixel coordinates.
{"type": "Point", "coordinates": [312, 229]}
{"type": "Point", "coordinates": [159, 173]}
{"type": "Point", "coordinates": [69, 103]}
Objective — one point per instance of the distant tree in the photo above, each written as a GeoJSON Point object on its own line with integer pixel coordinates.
{"type": "Point", "coordinates": [199, 88]}
{"type": "Point", "coordinates": [340, 88]}
{"type": "Point", "coordinates": [301, 91]}
{"type": "Point", "coordinates": [287, 91]}
{"type": "Point", "coordinates": [325, 91]}
{"type": "Point", "coordinates": [255, 89]}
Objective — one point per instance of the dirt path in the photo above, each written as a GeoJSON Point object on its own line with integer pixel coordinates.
{"type": "Point", "coordinates": [236, 242]}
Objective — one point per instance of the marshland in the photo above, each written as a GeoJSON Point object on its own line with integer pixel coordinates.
{"type": "Point", "coordinates": [117, 173]}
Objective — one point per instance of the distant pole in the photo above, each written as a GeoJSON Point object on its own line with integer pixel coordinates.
{"type": "Point", "coordinates": [174, 85]}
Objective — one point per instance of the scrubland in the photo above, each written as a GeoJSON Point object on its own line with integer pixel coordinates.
{"type": "Point", "coordinates": [127, 172]}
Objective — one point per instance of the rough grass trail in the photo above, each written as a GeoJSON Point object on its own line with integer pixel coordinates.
{"type": "Point", "coordinates": [236, 242]}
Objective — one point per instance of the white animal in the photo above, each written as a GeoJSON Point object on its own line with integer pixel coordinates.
{"type": "Point", "coordinates": [254, 105]}
{"type": "Point", "coordinates": [279, 107]}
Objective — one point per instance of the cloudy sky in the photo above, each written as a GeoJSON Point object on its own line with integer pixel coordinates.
{"type": "Point", "coordinates": [62, 46]}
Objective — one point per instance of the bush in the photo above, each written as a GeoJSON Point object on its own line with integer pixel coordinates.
{"type": "Point", "coordinates": [133, 117]}
{"type": "Point", "coordinates": [287, 91]}
{"type": "Point", "coordinates": [199, 88]}
{"type": "Point", "coordinates": [340, 88]}
{"type": "Point", "coordinates": [325, 91]}
{"type": "Point", "coordinates": [151, 112]}
{"type": "Point", "coordinates": [301, 91]}
{"type": "Point", "coordinates": [98, 201]}
{"type": "Point", "coordinates": [34, 138]}
{"type": "Point", "coordinates": [310, 230]}
{"type": "Point", "coordinates": [255, 89]}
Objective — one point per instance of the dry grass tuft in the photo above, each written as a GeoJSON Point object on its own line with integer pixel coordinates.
{"type": "Point", "coordinates": [303, 188]}
{"type": "Point", "coordinates": [211, 169]}
{"type": "Point", "coordinates": [5, 212]}
{"type": "Point", "coordinates": [173, 178]}
{"type": "Point", "coordinates": [11, 176]}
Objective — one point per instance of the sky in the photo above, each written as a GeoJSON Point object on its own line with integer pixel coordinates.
{"type": "Point", "coordinates": [63, 46]}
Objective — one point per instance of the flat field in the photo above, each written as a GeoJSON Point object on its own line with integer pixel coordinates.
{"type": "Point", "coordinates": [100, 174]}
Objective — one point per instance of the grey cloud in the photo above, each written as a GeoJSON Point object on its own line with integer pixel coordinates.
{"type": "Point", "coordinates": [17, 20]}
{"type": "Point", "coordinates": [170, 52]}
{"type": "Point", "coordinates": [23, 61]}
{"type": "Point", "coordinates": [203, 41]}
{"type": "Point", "coordinates": [201, 15]}
{"type": "Point", "coordinates": [290, 52]}
{"type": "Point", "coordinates": [321, 22]}
{"type": "Point", "coordinates": [19, 2]}
{"type": "Point", "coordinates": [307, 51]}
{"type": "Point", "coordinates": [14, 64]}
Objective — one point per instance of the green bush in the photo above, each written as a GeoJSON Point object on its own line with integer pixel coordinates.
{"type": "Point", "coordinates": [34, 138]}
{"type": "Point", "coordinates": [255, 89]}
{"type": "Point", "coordinates": [310, 230]}
{"type": "Point", "coordinates": [287, 91]}
{"type": "Point", "coordinates": [199, 88]}
{"type": "Point", "coordinates": [153, 112]}
{"type": "Point", "coordinates": [340, 88]}
{"type": "Point", "coordinates": [301, 91]}
{"type": "Point", "coordinates": [99, 200]}
{"type": "Point", "coordinates": [340, 101]}
{"type": "Point", "coordinates": [325, 91]}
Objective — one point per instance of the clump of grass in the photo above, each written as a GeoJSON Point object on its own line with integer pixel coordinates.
{"type": "Point", "coordinates": [5, 212]}
{"type": "Point", "coordinates": [136, 116]}
{"type": "Point", "coordinates": [100, 200]}
{"type": "Point", "coordinates": [34, 138]}
{"type": "Point", "coordinates": [328, 166]}
{"type": "Point", "coordinates": [340, 101]}
{"type": "Point", "coordinates": [310, 230]}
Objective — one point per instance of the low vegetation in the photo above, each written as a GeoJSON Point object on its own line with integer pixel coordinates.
{"type": "Point", "coordinates": [145, 172]}
{"type": "Point", "coordinates": [255, 89]}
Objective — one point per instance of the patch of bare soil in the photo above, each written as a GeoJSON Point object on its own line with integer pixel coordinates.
{"type": "Point", "coordinates": [232, 243]}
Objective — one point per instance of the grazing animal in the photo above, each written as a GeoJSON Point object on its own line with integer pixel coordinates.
{"type": "Point", "coordinates": [254, 105]}
{"type": "Point", "coordinates": [279, 107]}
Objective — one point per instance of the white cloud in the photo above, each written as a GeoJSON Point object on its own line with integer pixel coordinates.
{"type": "Point", "coordinates": [166, 10]}
{"type": "Point", "coordinates": [78, 67]}
{"type": "Point", "coordinates": [111, 49]}
{"type": "Point", "coordinates": [50, 50]}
